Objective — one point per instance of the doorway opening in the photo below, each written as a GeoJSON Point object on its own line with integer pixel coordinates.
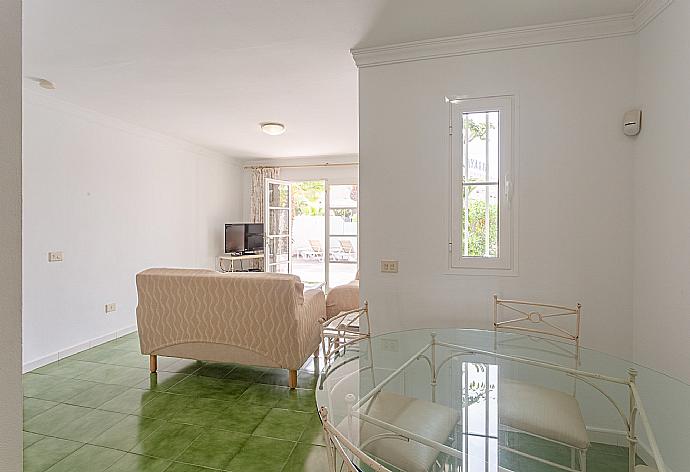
{"type": "Point", "coordinates": [312, 230]}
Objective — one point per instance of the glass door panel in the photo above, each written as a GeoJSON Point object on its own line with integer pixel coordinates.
{"type": "Point", "coordinates": [343, 230]}
{"type": "Point", "coordinates": [309, 231]}
{"type": "Point", "coordinates": [278, 224]}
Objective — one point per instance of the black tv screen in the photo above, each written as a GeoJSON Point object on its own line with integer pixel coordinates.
{"type": "Point", "coordinates": [244, 237]}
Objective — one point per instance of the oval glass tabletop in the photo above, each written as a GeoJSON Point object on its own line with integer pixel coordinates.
{"type": "Point", "coordinates": [473, 400]}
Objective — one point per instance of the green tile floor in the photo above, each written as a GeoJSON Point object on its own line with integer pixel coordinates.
{"type": "Point", "coordinates": [101, 410]}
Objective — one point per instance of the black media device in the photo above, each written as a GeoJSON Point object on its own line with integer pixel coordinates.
{"type": "Point", "coordinates": [244, 238]}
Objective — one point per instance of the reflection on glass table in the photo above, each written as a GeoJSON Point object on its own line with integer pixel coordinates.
{"type": "Point", "coordinates": [440, 400]}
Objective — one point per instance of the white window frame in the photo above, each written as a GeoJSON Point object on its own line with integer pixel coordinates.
{"type": "Point", "coordinates": [505, 263]}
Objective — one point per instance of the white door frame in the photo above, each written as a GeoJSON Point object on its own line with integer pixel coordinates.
{"type": "Point", "coordinates": [267, 207]}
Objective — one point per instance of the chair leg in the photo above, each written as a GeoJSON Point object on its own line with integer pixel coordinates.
{"type": "Point", "coordinates": [153, 363]}
{"type": "Point", "coordinates": [292, 383]}
{"type": "Point", "coordinates": [573, 460]}
{"type": "Point", "coordinates": [583, 460]}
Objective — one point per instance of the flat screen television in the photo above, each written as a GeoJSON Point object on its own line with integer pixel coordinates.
{"type": "Point", "coordinates": [244, 238]}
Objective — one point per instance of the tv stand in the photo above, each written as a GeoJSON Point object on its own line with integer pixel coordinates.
{"type": "Point", "coordinates": [226, 262]}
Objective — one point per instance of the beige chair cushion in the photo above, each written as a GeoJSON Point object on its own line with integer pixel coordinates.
{"type": "Point", "coordinates": [542, 411]}
{"type": "Point", "coordinates": [430, 420]}
{"type": "Point", "coordinates": [342, 298]}
{"type": "Point", "coordinates": [644, 468]}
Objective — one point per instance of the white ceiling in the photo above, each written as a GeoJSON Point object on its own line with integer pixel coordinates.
{"type": "Point", "coordinates": [209, 71]}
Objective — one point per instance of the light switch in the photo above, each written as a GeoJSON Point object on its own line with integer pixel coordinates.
{"type": "Point", "coordinates": [389, 267]}
{"type": "Point", "coordinates": [110, 307]}
{"type": "Point", "coordinates": [56, 256]}
{"type": "Point", "coordinates": [390, 345]}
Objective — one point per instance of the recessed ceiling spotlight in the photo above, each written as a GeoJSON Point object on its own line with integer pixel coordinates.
{"type": "Point", "coordinates": [274, 129]}
{"type": "Point", "coordinates": [43, 83]}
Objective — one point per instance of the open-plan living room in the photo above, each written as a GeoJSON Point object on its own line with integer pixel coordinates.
{"type": "Point", "coordinates": [344, 236]}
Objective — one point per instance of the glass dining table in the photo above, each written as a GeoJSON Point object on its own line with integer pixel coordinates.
{"type": "Point", "coordinates": [473, 400]}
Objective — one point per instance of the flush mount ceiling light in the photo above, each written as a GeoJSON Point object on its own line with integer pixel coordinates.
{"type": "Point", "coordinates": [273, 129]}
{"type": "Point", "coordinates": [46, 84]}
{"type": "Point", "coordinates": [43, 83]}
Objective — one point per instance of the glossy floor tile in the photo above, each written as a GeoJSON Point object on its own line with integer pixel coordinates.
{"type": "Point", "coordinates": [101, 410]}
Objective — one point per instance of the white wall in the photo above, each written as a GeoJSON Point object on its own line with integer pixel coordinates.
{"type": "Point", "coordinates": [116, 199]}
{"type": "Point", "coordinates": [574, 187]}
{"type": "Point", "coordinates": [10, 237]}
{"type": "Point", "coordinates": [662, 195]}
{"type": "Point", "coordinates": [334, 175]}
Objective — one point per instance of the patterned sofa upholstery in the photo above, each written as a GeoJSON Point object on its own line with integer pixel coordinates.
{"type": "Point", "coordinates": [258, 319]}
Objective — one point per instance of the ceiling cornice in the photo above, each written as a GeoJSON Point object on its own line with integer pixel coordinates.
{"type": "Point", "coordinates": [513, 38]}
{"type": "Point", "coordinates": [647, 11]}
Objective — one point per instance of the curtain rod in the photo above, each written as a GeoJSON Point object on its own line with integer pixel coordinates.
{"type": "Point", "coordinates": [326, 164]}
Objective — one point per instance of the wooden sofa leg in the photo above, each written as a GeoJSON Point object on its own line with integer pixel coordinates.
{"type": "Point", "coordinates": [292, 383]}
{"type": "Point", "coordinates": [153, 363]}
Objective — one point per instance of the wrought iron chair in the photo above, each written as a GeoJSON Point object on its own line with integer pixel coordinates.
{"type": "Point", "coordinates": [344, 330]}
{"type": "Point", "coordinates": [341, 453]}
{"type": "Point", "coordinates": [540, 411]}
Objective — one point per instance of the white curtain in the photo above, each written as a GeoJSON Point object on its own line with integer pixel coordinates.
{"type": "Point", "coordinates": [259, 176]}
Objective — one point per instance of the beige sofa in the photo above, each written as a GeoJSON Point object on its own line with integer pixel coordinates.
{"type": "Point", "coordinates": [343, 298]}
{"type": "Point", "coordinates": [257, 319]}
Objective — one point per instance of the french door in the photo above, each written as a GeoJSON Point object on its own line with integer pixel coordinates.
{"type": "Point", "coordinates": [311, 230]}
{"type": "Point", "coordinates": [342, 227]}
{"type": "Point", "coordinates": [278, 226]}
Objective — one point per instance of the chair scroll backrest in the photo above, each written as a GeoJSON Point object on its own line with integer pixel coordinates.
{"type": "Point", "coordinates": [343, 330]}
{"type": "Point", "coordinates": [538, 318]}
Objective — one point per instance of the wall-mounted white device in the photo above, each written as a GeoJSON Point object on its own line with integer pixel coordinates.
{"type": "Point", "coordinates": [632, 122]}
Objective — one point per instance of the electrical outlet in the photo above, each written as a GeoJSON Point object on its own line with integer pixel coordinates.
{"type": "Point", "coordinates": [389, 267]}
{"type": "Point", "coordinates": [390, 345]}
{"type": "Point", "coordinates": [56, 256]}
{"type": "Point", "coordinates": [110, 307]}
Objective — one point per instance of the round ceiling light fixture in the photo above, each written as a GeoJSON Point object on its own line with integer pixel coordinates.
{"type": "Point", "coordinates": [46, 84]}
{"type": "Point", "coordinates": [43, 83]}
{"type": "Point", "coordinates": [273, 129]}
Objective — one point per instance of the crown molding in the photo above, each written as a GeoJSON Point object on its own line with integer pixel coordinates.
{"type": "Point", "coordinates": [513, 38]}
{"type": "Point", "coordinates": [647, 11]}
{"type": "Point", "coordinates": [46, 99]}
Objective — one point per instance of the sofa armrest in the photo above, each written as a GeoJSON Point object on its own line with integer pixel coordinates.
{"type": "Point", "coordinates": [314, 307]}
{"type": "Point", "coordinates": [309, 315]}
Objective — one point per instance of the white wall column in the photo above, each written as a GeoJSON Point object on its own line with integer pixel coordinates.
{"type": "Point", "coordinates": [10, 236]}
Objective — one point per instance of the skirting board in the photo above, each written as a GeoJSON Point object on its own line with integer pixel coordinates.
{"type": "Point", "coordinates": [59, 355]}
{"type": "Point", "coordinates": [614, 437]}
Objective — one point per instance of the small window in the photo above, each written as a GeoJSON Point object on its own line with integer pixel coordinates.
{"type": "Point", "coordinates": [481, 131]}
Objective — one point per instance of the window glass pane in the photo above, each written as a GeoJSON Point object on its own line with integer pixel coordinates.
{"type": "Point", "coordinates": [281, 268]}
{"type": "Point", "coordinates": [343, 249]}
{"type": "Point", "coordinates": [480, 146]}
{"type": "Point", "coordinates": [277, 250]}
{"type": "Point", "coordinates": [341, 274]}
{"type": "Point", "coordinates": [308, 231]}
{"type": "Point", "coordinates": [343, 196]}
{"type": "Point", "coordinates": [344, 221]}
{"type": "Point", "coordinates": [480, 221]}
{"type": "Point", "coordinates": [278, 195]}
{"type": "Point", "coordinates": [279, 222]}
